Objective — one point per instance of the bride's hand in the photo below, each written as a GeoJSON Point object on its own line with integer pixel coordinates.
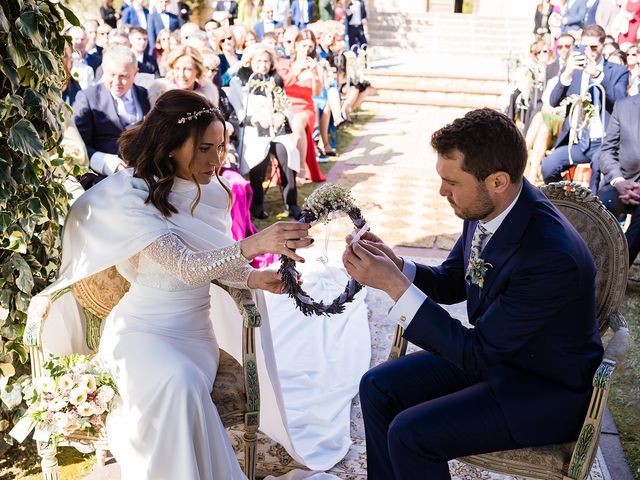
{"type": "Point", "coordinates": [369, 237]}
{"type": "Point", "coordinates": [281, 238]}
{"type": "Point", "coordinates": [268, 280]}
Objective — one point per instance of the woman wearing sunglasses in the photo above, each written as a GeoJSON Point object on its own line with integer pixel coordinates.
{"type": "Point", "coordinates": [229, 58]}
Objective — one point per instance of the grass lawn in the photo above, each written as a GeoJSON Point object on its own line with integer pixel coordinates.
{"type": "Point", "coordinates": [624, 398]}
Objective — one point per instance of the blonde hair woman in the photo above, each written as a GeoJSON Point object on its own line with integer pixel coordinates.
{"type": "Point", "coordinates": [185, 71]}
{"type": "Point", "coordinates": [229, 58]}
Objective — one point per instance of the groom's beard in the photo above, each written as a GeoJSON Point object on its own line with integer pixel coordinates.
{"type": "Point", "coordinates": [483, 206]}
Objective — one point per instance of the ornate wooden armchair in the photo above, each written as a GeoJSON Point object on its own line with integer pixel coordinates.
{"type": "Point", "coordinates": [604, 237]}
{"type": "Point", "coordinates": [235, 391]}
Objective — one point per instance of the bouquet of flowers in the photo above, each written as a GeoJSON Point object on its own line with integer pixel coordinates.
{"type": "Point", "coordinates": [277, 98]}
{"type": "Point", "coordinates": [75, 394]}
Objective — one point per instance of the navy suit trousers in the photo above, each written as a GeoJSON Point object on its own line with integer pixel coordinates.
{"type": "Point", "coordinates": [421, 411]}
{"type": "Point", "coordinates": [558, 161]}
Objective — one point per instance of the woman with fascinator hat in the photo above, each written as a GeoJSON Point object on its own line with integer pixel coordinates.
{"type": "Point", "coordinates": [164, 224]}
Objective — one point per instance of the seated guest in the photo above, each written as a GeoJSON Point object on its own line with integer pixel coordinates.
{"type": "Point", "coordinates": [101, 113]}
{"type": "Point", "coordinates": [524, 372]}
{"type": "Point", "coordinates": [146, 62]}
{"type": "Point", "coordinates": [135, 15]}
{"type": "Point", "coordinates": [91, 29]}
{"type": "Point", "coordinates": [210, 28]}
{"type": "Point", "coordinates": [249, 38]}
{"type": "Point", "coordinates": [267, 24]}
{"type": "Point", "coordinates": [71, 86]}
{"type": "Point", "coordinates": [187, 30]}
{"type": "Point", "coordinates": [102, 38]}
{"type": "Point", "coordinates": [84, 63]}
{"type": "Point", "coordinates": [301, 13]}
{"type": "Point", "coordinates": [573, 16]}
{"type": "Point", "coordinates": [257, 94]}
{"type": "Point", "coordinates": [581, 72]}
{"type": "Point", "coordinates": [108, 13]}
{"type": "Point", "coordinates": [229, 6]}
{"type": "Point", "coordinates": [229, 58]}
{"type": "Point", "coordinates": [161, 51]}
{"type": "Point", "coordinates": [160, 19]}
{"type": "Point", "coordinates": [620, 165]}
{"type": "Point", "coordinates": [270, 40]}
{"type": "Point", "coordinates": [185, 71]}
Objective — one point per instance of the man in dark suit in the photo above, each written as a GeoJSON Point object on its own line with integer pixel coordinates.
{"type": "Point", "coordinates": [573, 18]}
{"type": "Point", "coordinates": [231, 7]}
{"type": "Point", "coordinates": [146, 62]}
{"type": "Point", "coordinates": [160, 19]}
{"type": "Point", "coordinates": [101, 113]}
{"type": "Point", "coordinates": [301, 13]}
{"type": "Point", "coordinates": [355, 20]}
{"type": "Point", "coordinates": [620, 164]}
{"type": "Point", "coordinates": [135, 14]}
{"type": "Point", "coordinates": [522, 376]}
{"type": "Point", "coordinates": [267, 24]}
{"type": "Point", "coordinates": [582, 72]}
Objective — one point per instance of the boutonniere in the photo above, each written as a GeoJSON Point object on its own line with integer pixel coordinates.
{"type": "Point", "coordinates": [476, 271]}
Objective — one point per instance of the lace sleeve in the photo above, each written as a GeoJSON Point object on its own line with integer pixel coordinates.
{"type": "Point", "coordinates": [226, 264]}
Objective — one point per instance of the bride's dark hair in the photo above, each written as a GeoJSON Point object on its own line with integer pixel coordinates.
{"type": "Point", "coordinates": [147, 146]}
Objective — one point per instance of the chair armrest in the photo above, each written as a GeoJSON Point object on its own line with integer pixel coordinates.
{"type": "Point", "coordinates": [618, 344]}
{"type": "Point", "coordinates": [245, 303]}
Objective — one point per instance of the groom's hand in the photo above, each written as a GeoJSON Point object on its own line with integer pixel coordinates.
{"type": "Point", "coordinates": [369, 265]}
{"type": "Point", "coordinates": [377, 242]}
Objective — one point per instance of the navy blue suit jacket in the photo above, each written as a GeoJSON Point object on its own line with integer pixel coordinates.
{"type": "Point", "coordinates": [620, 152]}
{"type": "Point", "coordinates": [296, 14]}
{"type": "Point", "coordinates": [155, 24]}
{"type": "Point", "coordinates": [149, 65]}
{"type": "Point", "coordinates": [536, 338]}
{"type": "Point", "coordinates": [615, 82]}
{"type": "Point", "coordinates": [130, 17]}
{"type": "Point", "coordinates": [258, 28]}
{"type": "Point", "coordinates": [575, 16]}
{"type": "Point", "coordinates": [97, 120]}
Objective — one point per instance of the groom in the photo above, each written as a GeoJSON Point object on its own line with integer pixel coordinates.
{"type": "Point", "coordinates": [522, 376]}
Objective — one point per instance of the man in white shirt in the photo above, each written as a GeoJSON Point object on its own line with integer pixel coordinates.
{"type": "Point", "coordinates": [101, 113]}
{"type": "Point", "coordinates": [356, 18]}
{"type": "Point", "coordinates": [522, 376]}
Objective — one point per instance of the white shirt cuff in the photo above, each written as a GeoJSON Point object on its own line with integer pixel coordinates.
{"type": "Point", "coordinates": [407, 306]}
{"type": "Point", "coordinates": [616, 180]}
{"type": "Point", "coordinates": [104, 163]}
{"type": "Point", "coordinates": [565, 83]}
{"type": "Point", "coordinates": [409, 269]}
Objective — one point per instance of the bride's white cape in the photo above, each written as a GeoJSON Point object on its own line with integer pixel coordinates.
{"type": "Point", "coordinates": [112, 223]}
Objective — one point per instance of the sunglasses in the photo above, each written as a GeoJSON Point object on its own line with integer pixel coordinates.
{"type": "Point", "coordinates": [227, 39]}
{"type": "Point", "coordinates": [567, 46]}
{"type": "Point", "coordinates": [593, 48]}
{"type": "Point", "coordinates": [542, 51]}
{"type": "Point", "coordinates": [212, 70]}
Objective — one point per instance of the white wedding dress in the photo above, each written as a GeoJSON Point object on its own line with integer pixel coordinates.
{"type": "Point", "coordinates": [160, 337]}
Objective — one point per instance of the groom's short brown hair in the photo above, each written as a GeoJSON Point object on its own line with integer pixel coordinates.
{"type": "Point", "coordinates": [489, 141]}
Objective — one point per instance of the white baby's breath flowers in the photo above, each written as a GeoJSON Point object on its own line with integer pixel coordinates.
{"type": "Point", "coordinates": [327, 199]}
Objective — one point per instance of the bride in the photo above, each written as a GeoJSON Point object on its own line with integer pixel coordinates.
{"type": "Point", "coordinates": [164, 224]}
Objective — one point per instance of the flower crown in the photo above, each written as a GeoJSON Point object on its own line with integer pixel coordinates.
{"type": "Point", "coordinates": [194, 115]}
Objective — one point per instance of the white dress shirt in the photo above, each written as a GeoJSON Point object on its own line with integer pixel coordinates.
{"type": "Point", "coordinates": [412, 299]}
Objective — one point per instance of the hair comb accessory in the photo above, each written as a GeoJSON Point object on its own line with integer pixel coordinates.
{"type": "Point", "coordinates": [194, 115]}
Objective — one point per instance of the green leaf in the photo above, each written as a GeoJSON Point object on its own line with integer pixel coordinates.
{"type": "Point", "coordinates": [25, 277]}
{"type": "Point", "coordinates": [17, 51]}
{"type": "Point", "coordinates": [8, 71]}
{"type": "Point", "coordinates": [71, 17]}
{"type": "Point", "coordinates": [17, 242]}
{"type": "Point", "coordinates": [4, 22]}
{"type": "Point", "coordinates": [24, 138]}
{"type": "Point", "coordinates": [28, 26]}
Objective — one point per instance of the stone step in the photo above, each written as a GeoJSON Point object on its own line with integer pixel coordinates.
{"type": "Point", "coordinates": [421, 83]}
{"type": "Point", "coordinates": [437, 99]}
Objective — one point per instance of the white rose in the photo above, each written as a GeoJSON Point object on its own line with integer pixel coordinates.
{"type": "Point", "coordinates": [66, 382]}
{"type": "Point", "coordinates": [60, 420]}
{"type": "Point", "coordinates": [56, 404]}
{"type": "Point", "coordinates": [88, 382]}
{"type": "Point", "coordinates": [85, 409]}
{"type": "Point", "coordinates": [77, 396]}
{"type": "Point", "coordinates": [106, 393]}
{"type": "Point", "coordinates": [46, 384]}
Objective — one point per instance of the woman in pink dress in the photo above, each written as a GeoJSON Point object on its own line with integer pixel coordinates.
{"type": "Point", "coordinates": [632, 11]}
{"type": "Point", "coordinates": [301, 82]}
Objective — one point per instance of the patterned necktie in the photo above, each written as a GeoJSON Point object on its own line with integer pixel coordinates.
{"type": "Point", "coordinates": [479, 237]}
